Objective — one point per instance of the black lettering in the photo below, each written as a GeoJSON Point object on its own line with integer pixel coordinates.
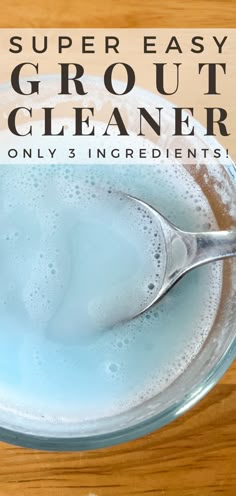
{"type": "Point", "coordinates": [118, 122]}
{"type": "Point", "coordinates": [79, 121]}
{"type": "Point", "coordinates": [211, 121]}
{"type": "Point", "coordinates": [196, 42]}
{"type": "Point", "coordinates": [173, 45]}
{"type": "Point", "coordinates": [220, 44]}
{"type": "Point", "coordinates": [160, 79]}
{"type": "Point", "coordinates": [179, 121]}
{"type": "Point", "coordinates": [86, 44]}
{"type": "Point", "coordinates": [156, 126]}
{"type": "Point", "coordinates": [12, 121]}
{"type": "Point", "coordinates": [48, 123]}
{"type": "Point", "coordinates": [15, 80]}
{"type": "Point", "coordinates": [212, 76]}
{"type": "Point", "coordinates": [44, 47]}
{"type": "Point", "coordinates": [14, 44]}
{"type": "Point", "coordinates": [130, 78]}
{"type": "Point", "coordinates": [111, 43]}
{"type": "Point", "coordinates": [148, 45]}
{"type": "Point", "coordinates": [64, 42]}
{"type": "Point", "coordinates": [65, 78]}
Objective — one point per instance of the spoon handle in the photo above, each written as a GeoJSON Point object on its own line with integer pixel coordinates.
{"type": "Point", "coordinates": [212, 246]}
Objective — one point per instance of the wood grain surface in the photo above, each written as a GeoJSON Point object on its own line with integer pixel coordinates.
{"type": "Point", "coordinates": [195, 455]}
{"type": "Point", "coordinates": [118, 13]}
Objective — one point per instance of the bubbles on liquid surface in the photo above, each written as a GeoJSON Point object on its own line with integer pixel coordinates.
{"type": "Point", "coordinates": [76, 238]}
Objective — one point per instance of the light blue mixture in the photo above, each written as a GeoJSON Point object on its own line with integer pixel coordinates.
{"type": "Point", "coordinates": [68, 244]}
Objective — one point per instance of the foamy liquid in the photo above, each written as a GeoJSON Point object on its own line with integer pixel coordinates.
{"type": "Point", "coordinates": [69, 242]}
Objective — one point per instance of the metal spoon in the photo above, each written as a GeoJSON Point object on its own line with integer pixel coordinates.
{"type": "Point", "coordinates": [185, 250]}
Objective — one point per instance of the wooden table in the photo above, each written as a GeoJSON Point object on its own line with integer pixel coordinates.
{"type": "Point", "coordinates": [196, 455]}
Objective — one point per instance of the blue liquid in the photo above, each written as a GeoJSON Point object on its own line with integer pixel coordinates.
{"type": "Point", "coordinates": [68, 243]}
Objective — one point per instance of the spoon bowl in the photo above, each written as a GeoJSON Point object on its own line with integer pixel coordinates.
{"type": "Point", "coordinates": [184, 250]}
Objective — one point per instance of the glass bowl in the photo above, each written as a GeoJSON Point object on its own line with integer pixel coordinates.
{"type": "Point", "coordinates": [215, 356]}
